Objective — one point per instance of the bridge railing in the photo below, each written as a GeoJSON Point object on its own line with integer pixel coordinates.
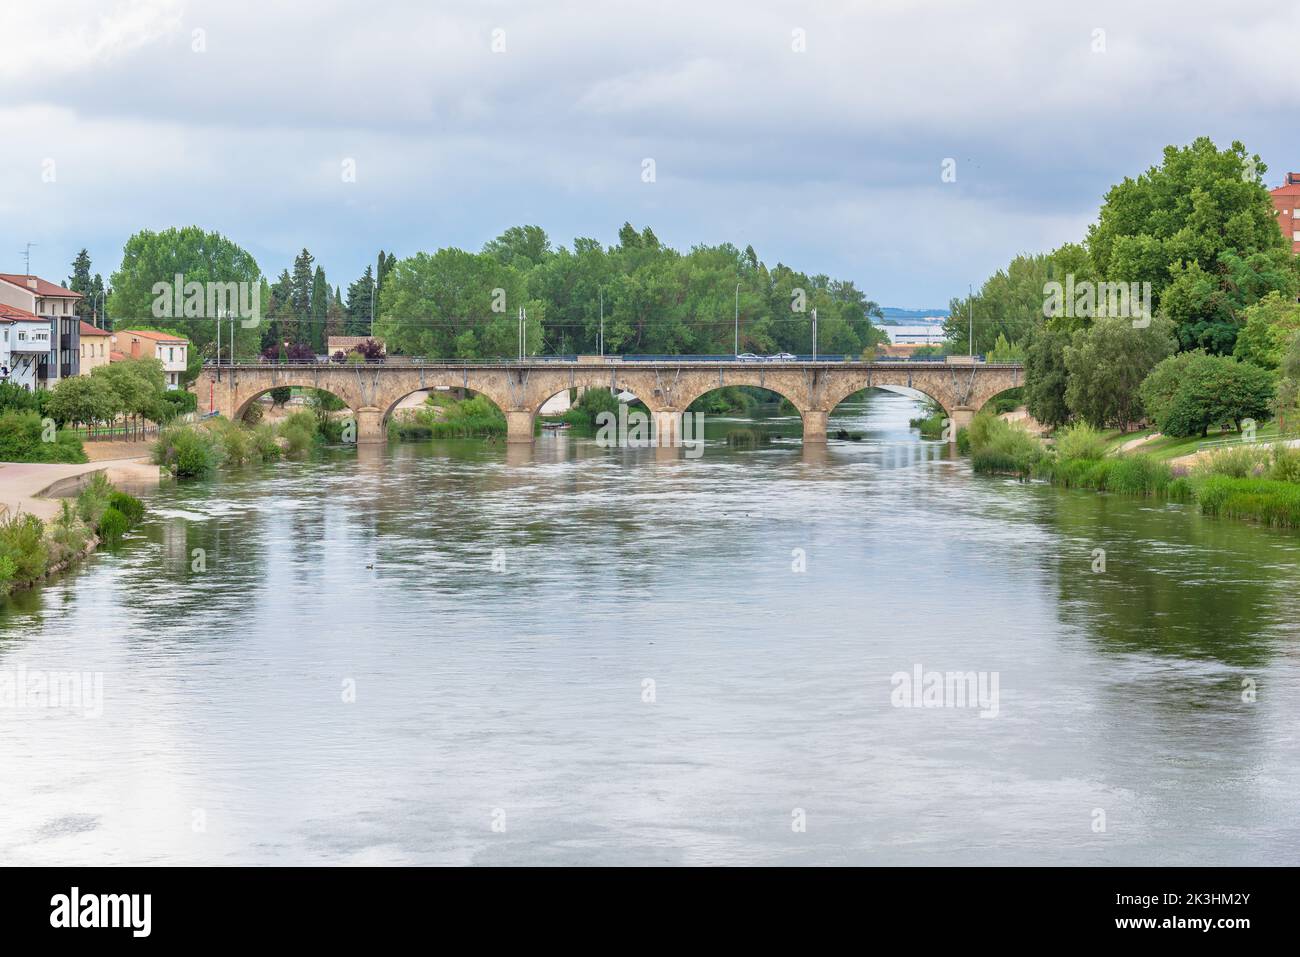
{"type": "Point", "coordinates": [416, 361]}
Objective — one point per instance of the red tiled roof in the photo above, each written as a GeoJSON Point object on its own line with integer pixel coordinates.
{"type": "Point", "coordinates": [88, 330]}
{"type": "Point", "coordinates": [1289, 187]}
{"type": "Point", "coordinates": [43, 286]}
{"type": "Point", "coordinates": [151, 334]}
{"type": "Point", "coordinates": [115, 356]}
{"type": "Point", "coordinates": [13, 312]}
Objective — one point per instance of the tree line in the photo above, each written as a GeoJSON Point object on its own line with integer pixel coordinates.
{"type": "Point", "coordinates": [638, 295]}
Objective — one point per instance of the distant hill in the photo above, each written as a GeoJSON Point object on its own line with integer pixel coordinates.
{"type": "Point", "coordinates": [894, 314]}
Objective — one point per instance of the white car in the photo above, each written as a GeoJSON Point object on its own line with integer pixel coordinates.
{"type": "Point", "coordinates": [782, 357]}
{"type": "Point", "coordinates": [748, 357]}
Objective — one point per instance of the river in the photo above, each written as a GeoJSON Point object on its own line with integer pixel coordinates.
{"type": "Point", "coordinates": [459, 653]}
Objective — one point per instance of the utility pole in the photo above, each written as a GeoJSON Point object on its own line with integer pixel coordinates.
{"type": "Point", "coordinates": [601, 291]}
{"type": "Point", "coordinates": [736, 344]}
{"type": "Point", "coordinates": [814, 335]}
{"type": "Point", "coordinates": [970, 320]}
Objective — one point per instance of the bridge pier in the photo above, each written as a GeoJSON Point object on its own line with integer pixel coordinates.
{"type": "Point", "coordinates": [814, 427]}
{"type": "Point", "coordinates": [370, 426]}
{"type": "Point", "coordinates": [667, 428]}
{"type": "Point", "coordinates": [519, 425]}
{"type": "Point", "coordinates": [961, 419]}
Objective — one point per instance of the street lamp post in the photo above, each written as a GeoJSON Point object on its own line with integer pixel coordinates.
{"type": "Point", "coordinates": [814, 335]}
{"type": "Point", "coordinates": [736, 344]}
{"type": "Point", "coordinates": [601, 291]}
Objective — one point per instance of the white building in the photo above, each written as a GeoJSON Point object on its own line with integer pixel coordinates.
{"type": "Point", "coordinates": [928, 334]}
{"type": "Point", "coordinates": [56, 307]}
{"type": "Point", "coordinates": [24, 346]}
{"type": "Point", "coordinates": [172, 351]}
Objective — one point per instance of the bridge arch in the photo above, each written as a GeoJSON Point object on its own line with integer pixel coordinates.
{"type": "Point", "coordinates": [392, 401]}
{"type": "Point", "coordinates": [247, 400]}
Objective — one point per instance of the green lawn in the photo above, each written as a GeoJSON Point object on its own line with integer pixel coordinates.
{"type": "Point", "coordinates": [1168, 447]}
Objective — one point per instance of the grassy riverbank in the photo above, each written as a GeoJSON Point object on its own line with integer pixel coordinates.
{"type": "Point", "coordinates": [31, 550]}
{"type": "Point", "coordinates": [1255, 482]}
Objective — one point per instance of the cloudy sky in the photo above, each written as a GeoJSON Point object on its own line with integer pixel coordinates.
{"type": "Point", "coordinates": [463, 118]}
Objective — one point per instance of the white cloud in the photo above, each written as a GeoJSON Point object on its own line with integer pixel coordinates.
{"type": "Point", "coordinates": [827, 159]}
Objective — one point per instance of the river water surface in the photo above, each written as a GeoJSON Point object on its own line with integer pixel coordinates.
{"type": "Point", "coordinates": [459, 653]}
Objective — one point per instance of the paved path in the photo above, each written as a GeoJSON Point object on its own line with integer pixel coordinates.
{"type": "Point", "coordinates": [29, 486]}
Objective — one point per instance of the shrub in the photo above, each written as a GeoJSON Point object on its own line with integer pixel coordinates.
{"type": "Point", "coordinates": [451, 419]}
{"type": "Point", "coordinates": [112, 526]}
{"type": "Point", "coordinates": [1242, 461]}
{"type": "Point", "coordinates": [189, 450]}
{"type": "Point", "coordinates": [1080, 441]}
{"type": "Point", "coordinates": [1286, 464]}
{"type": "Point", "coordinates": [24, 553]}
{"type": "Point", "coordinates": [267, 448]}
{"type": "Point", "coordinates": [998, 446]}
{"type": "Point", "coordinates": [298, 431]}
{"type": "Point", "coordinates": [94, 498]}
{"type": "Point", "coordinates": [236, 442]}
{"type": "Point", "coordinates": [128, 505]}
{"type": "Point", "coordinates": [590, 405]}
{"type": "Point", "coordinates": [22, 440]}
{"type": "Point", "coordinates": [66, 535]}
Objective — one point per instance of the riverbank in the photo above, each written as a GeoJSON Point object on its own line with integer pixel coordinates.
{"type": "Point", "coordinates": [1254, 481]}
{"type": "Point", "coordinates": [54, 515]}
{"type": "Point", "coordinates": [36, 487]}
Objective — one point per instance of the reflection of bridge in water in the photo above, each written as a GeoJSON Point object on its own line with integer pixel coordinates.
{"type": "Point", "coordinates": [667, 387]}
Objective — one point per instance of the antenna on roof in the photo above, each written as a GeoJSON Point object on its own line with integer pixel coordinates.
{"type": "Point", "coordinates": [27, 257]}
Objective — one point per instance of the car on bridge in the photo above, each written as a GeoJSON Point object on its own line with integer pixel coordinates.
{"type": "Point", "coordinates": [783, 357]}
{"type": "Point", "coordinates": [748, 357]}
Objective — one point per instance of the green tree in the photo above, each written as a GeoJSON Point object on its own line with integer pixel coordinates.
{"type": "Point", "coordinates": [1046, 377]}
{"type": "Point", "coordinates": [444, 305]}
{"type": "Point", "coordinates": [1161, 384]}
{"type": "Point", "coordinates": [1011, 302]}
{"type": "Point", "coordinates": [522, 247]}
{"type": "Point", "coordinates": [151, 258]}
{"type": "Point", "coordinates": [320, 303]}
{"type": "Point", "coordinates": [88, 400]}
{"type": "Point", "coordinates": [1270, 327]}
{"type": "Point", "coordinates": [1216, 390]}
{"type": "Point", "coordinates": [1106, 364]}
{"type": "Point", "coordinates": [81, 282]}
{"type": "Point", "coordinates": [360, 298]}
{"type": "Point", "coordinates": [139, 385]}
{"type": "Point", "coordinates": [1202, 230]}
{"type": "Point", "coordinates": [301, 297]}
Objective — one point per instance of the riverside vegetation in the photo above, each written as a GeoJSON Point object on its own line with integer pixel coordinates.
{"type": "Point", "coordinates": [30, 549]}
{"type": "Point", "coordinates": [1257, 481]}
{"type": "Point", "coordinates": [191, 451]}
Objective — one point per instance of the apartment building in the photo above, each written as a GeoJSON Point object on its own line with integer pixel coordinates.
{"type": "Point", "coordinates": [172, 351]}
{"type": "Point", "coordinates": [1286, 203]}
{"type": "Point", "coordinates": [57, 307]}
{"type": "Point", "coordinates": [24, 346]}
{"type": "Point", "coordinates": [96, 344]}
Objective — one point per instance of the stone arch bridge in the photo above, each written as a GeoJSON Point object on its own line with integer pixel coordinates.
{"type": "Point", "coordinates": [666, 387]}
